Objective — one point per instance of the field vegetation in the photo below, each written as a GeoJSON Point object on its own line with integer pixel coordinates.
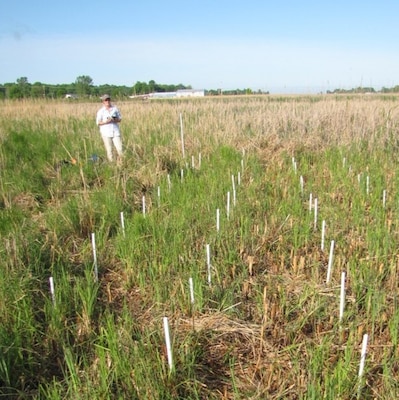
{"type": "Point", "coordinates": [247, 206]}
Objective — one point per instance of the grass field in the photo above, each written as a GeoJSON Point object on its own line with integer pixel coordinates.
{"type": "Point", "coordinates": [283, 212]}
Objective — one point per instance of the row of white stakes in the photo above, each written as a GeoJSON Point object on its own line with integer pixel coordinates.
{"type": "Point", "coordinates": [314, 203]}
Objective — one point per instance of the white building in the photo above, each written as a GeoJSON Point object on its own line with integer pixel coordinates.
{"type": "Point", "coordinates": [171, 95]}
{"type": "Point", "coordinates": [190, 93]}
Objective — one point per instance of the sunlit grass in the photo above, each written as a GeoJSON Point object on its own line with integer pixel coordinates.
{"type": "Point", "coordinates": [266, 325]}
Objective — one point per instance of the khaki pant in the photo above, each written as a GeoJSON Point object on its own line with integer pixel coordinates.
{"type": "Point", "coordinates": [112, 141]}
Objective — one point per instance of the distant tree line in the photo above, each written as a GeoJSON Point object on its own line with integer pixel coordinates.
{"type": "Point", "coordinates": [83, 87]}
{"type": "Point", "coordinates": [361, 89]}
{"type": "Point", "coordinates": [140, 88]}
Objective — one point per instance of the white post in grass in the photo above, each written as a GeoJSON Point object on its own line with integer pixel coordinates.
{"type": "Point", "coordinates": [93, 244]}
{"type": "Point", "coordinates": [143, 205]}
{"type": "Point", "coordinates": [191, 285]}
{"type": "Point", "coordinates": [239, 178]}
{"type": "Point", "coordinates": [367, 184]}
{"type": "Point", "coordinates": [301, 183]}
{"type": "Point", "coordinates": [330, 261]}
{"type": "Point", "coordinates": [208, 263]}
{"type": "Point", "coordinates": [363, 356]}
{"type": "Point", "coordinates": [342, 298]}
{"type": "Point", "coordinates": [169, 182]}
{"type": "Point", "coordinates": [217, 220]}
{"type": "Point", "coordinates": [52, 292]}
{"type": "Point", "coordinates": [233, 182]}
{"type": "Point", "coordinates": [167, 342]}
{"type": "Point", "coordinates": [182, 136]}
{"type": "Point", "coordinates": [294, 164]}
{"type": "Point", "coordinates": [228, 205]}
{"type": "Point", "coordinates": [323, 234]}
{"type": "Point", "coordinates": [315, 214]}
{"type": "Point", "coordinates": [192, 162]}
{"type": "Point", "coordinates": [122, 224]}
{"type": "Point", "coordinates": [159, 195]}
{"type": "Point", "coordinates": [310, 201]}
{"type": "Point", "coordinates": [384, 198]}
{"type": "Point", "coordinates": [242, 165]}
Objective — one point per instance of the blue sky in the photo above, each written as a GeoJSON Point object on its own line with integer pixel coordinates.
{"type": "Point", "coordinates": [280, 46]}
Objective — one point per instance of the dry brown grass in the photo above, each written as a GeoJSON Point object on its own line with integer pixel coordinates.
{"type": "Point", "coordinates": [264, 124]}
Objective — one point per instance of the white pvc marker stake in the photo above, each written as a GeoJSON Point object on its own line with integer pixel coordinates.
{"type": "Point", "coordinates": [323, 234]}
{"type": "Point", "coordinates": [358, 178]}
{"type": "Point", "coordinates": [123, 224]}
{"type": "Point", "coordinates": [315, 214]}
{"type": "Point", "coordinates": [199, 160]}
{"type": "Point", "coordinates": [159, 195]}
{"type": "Point", "coordinates": [208, 262]}
{"type": "Point", "coordinates": [363, 354]}
{"type": "Point", "coordinates": [361, 365]}
{"type": "Point", "coordinates": [169, 183]}
{"type": "Point", "coordinates": [367, 184]}
{"type": "Point", "coordinates": [342, 298]}
{"type": "Point", "coordinates": [294, 166]}
{"type": "Point", "coordinates": [344, 162]}
{"type": "Point", "coordinates": [143, 205]}
{"type": "Point", "coordinates": [384, 198]}
{"type": "Point", "coordinates": [191, 284]}
{"type": "Point", "coordinates": [167, 342]}
{"type": "Point", "coordinates": [93, 244]}
{"type": "Point", "coordinates": [239, 178]}
{"type": "Point", "coordinates": [301, 183]}
{"type": "Point", "coordinates": [330, 261]}
{"type": "Point", "coordinates": [217, 220]}
{"type": "Point", "coordinates": [234, 189]}
{"type": "Point", "coordinates": [182, 136]}
{"type": "Point", "coordinates": [192, 162]}
{"type": "Point", "coordinates": [228, 205]}
{"type": "Point", "coordinates": [52, 292]}
{"type": "Point", "coordinates": [242, 165]}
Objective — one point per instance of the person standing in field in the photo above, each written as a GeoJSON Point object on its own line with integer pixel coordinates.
{"type": "Point", "coordinates": [108, 119]}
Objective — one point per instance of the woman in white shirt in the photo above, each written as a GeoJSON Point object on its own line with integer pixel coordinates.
{"type": "Point", "coordinates": [108, 118]}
